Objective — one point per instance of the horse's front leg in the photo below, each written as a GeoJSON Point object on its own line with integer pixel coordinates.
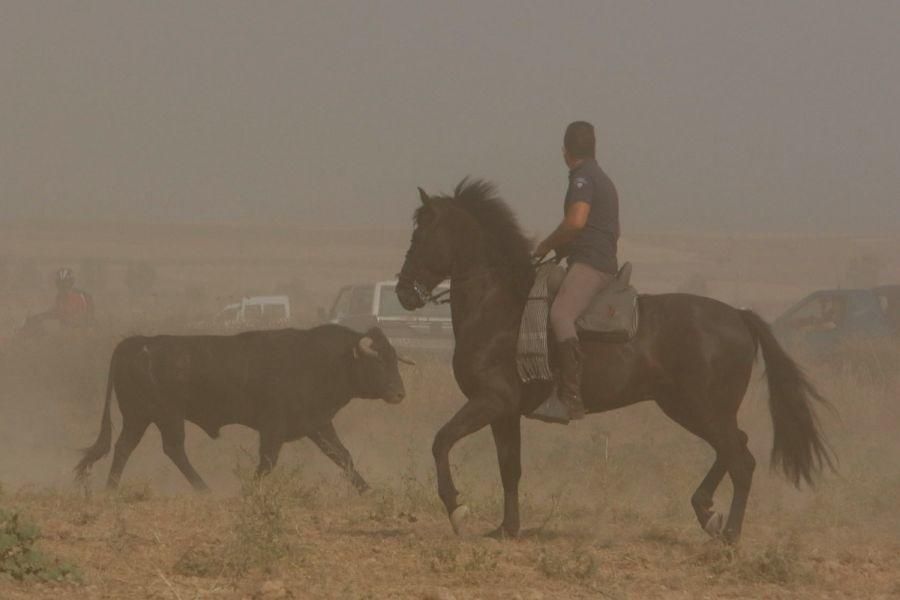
{"type": "Point", "coordinates": [475, 414]}
{"type": "Point", "coordinates": [508, 440]}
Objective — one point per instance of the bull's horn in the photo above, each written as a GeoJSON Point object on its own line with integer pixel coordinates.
{"type": "Point", "coordinates": [406, 361]}
{"type": "Point", "coordinates": [365, 346]}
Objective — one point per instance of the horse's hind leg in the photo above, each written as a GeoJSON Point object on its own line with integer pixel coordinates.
{"type": "Point", "coordinates": [740, 464]}
{"type": "Point", "coordinates": [702, 499]}
{"type": "Point", "coordinates": [732, 457]}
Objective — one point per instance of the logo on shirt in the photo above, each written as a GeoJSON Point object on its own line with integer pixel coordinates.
{"type": "Point", "coordinates": [580, 182]}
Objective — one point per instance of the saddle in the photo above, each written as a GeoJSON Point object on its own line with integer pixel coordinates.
{"type": "Point", "coordinates": [612, 315]}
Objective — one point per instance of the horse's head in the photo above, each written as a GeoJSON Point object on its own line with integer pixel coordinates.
{"type": "Point", "coordinates": [471, 231]}
{"type": "Point", "coordinates": [430, 255]}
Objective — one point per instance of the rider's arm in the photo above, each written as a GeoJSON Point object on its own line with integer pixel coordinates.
{"type": "Point", "coordinates": [574, 221]}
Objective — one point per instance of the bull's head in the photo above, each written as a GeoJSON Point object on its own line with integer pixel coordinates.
{"type": "Point", "coordinates": [375, 370]}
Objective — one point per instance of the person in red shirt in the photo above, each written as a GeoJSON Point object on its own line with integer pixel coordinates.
{"type": "Point", "coordinates": [72, 307]}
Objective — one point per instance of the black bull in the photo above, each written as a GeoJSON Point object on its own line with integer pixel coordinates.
{"type": "Point", "coordinates": [286, 384]}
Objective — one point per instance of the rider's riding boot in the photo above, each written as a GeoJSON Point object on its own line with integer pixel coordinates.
{"type": "Point", "coordinates": [569, 388]}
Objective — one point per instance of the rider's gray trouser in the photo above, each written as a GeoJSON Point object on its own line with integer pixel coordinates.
{"type": "Point", "coordinates": [581, 284]}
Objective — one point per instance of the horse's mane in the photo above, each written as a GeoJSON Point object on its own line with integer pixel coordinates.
{"type": "Point", "coordinates": [479, 198]}
{"type": "Point", "coordinates": [507, 247]}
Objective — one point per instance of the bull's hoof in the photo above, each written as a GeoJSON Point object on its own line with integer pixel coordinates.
{"type": "Point", "coordinates": [714, 525]}
{"type": "Point", "coordinates": [458, 518]}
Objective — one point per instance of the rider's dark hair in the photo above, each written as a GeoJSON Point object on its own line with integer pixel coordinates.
{"type": "Point", "coordinates": [579, 140]}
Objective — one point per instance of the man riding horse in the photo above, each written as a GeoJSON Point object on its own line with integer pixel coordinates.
{"type": "Point", "coordinates": [692, 356]}
{"type": "Point", "coordinates": [588, 235]}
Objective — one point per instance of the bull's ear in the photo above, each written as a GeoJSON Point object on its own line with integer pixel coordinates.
{"type": "Point", "coordinates": [423, 197]}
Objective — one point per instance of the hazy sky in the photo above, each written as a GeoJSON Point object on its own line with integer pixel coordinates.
{"type": "Point", "coordinates": [763, 115]}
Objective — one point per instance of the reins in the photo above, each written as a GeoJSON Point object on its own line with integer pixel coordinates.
{"type": "Point", "coordinates": [437, 299]}
{"type": "Point", "coordinates": [444, 296]}
{"type": "Point", "coordinates": [540, 262]}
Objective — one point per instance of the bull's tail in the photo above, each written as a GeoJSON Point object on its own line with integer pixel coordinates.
{"type": "Point", "coordinates": [799, 449]}
{"type": "Point", "coordinates": [104, 440]}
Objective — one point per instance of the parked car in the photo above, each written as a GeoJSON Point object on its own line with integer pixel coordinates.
{"type": "Point", "coordinates": [826, 319]}
{"type": "Point", "coordinates": [375, 304]}
{"type": "Point", "coordinates": [889, 297]}
{"type": "Point", "coordinates": [259, 312]}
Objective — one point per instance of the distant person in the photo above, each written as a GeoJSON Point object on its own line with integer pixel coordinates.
{"type": "Point", "coordinates": [588, 236]}
{"type": "Point", "coordinates": [71, 308]}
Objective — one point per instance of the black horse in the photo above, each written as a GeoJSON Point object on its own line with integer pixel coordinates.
{"type": "Point", "coordinates": [693, 356]}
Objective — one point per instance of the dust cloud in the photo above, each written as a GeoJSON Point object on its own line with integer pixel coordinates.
{"type": "Point", "coordinates": [770, 117]}
{"type": "Point", "coordinates": [181, 156]}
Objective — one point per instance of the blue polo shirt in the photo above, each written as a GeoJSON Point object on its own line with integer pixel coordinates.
{"type": "Point", "coordinates": [596, 244]}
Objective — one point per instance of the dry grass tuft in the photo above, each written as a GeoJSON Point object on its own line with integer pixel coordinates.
{"type": "Point", "coordinates": [576, 564]}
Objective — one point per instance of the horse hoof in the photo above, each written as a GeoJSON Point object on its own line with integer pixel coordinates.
{"type": "Point", "coordinates": [458, 517]}
{"type": "Point", "coordinates": [714, 524]}
{"type": "Point", "coordinates": [501, 534]}
{"type": "Point", "coordinates": [731, 539]}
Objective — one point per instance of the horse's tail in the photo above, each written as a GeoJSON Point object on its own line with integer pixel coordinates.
{"type": "Point", "coordinates": [104, 439]}
{"type": "Point", "coordinates": [798, 448]}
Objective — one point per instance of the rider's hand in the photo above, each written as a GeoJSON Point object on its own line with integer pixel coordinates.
{"type": "Point", "coordinates": [540, 252]}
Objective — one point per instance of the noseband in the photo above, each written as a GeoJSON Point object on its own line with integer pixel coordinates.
{"type": "Point", "coordinates": [424, 295]}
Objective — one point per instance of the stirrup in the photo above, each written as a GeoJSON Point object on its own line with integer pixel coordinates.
{"type": "Point", "coordinates": [551, 410]}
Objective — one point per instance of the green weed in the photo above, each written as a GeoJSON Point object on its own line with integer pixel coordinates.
{"type": "Point", "coordinates": [21, 560]}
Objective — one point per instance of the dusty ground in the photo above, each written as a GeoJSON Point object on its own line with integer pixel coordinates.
{"type": "Point", "coordinates": [605, 502]}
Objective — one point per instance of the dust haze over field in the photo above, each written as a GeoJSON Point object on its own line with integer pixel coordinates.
{"type": "Point", "coordinates": [770, 116]}
{"type": "Point", "coordinates": [181, 156]}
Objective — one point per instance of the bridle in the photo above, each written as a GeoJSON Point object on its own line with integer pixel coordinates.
{"type": "Point", "coordinates": [428, 297]}
{"type": "Point", "coordinates": [424, 295]}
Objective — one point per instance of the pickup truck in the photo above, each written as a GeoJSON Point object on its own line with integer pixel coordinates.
{"type": "Point", "coordinates": [824, 320]}
{"type": "Point", "coordinates": [375, 304]}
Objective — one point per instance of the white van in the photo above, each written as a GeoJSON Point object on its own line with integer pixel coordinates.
{"type": "Point", "coordinates": [256, 312]}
